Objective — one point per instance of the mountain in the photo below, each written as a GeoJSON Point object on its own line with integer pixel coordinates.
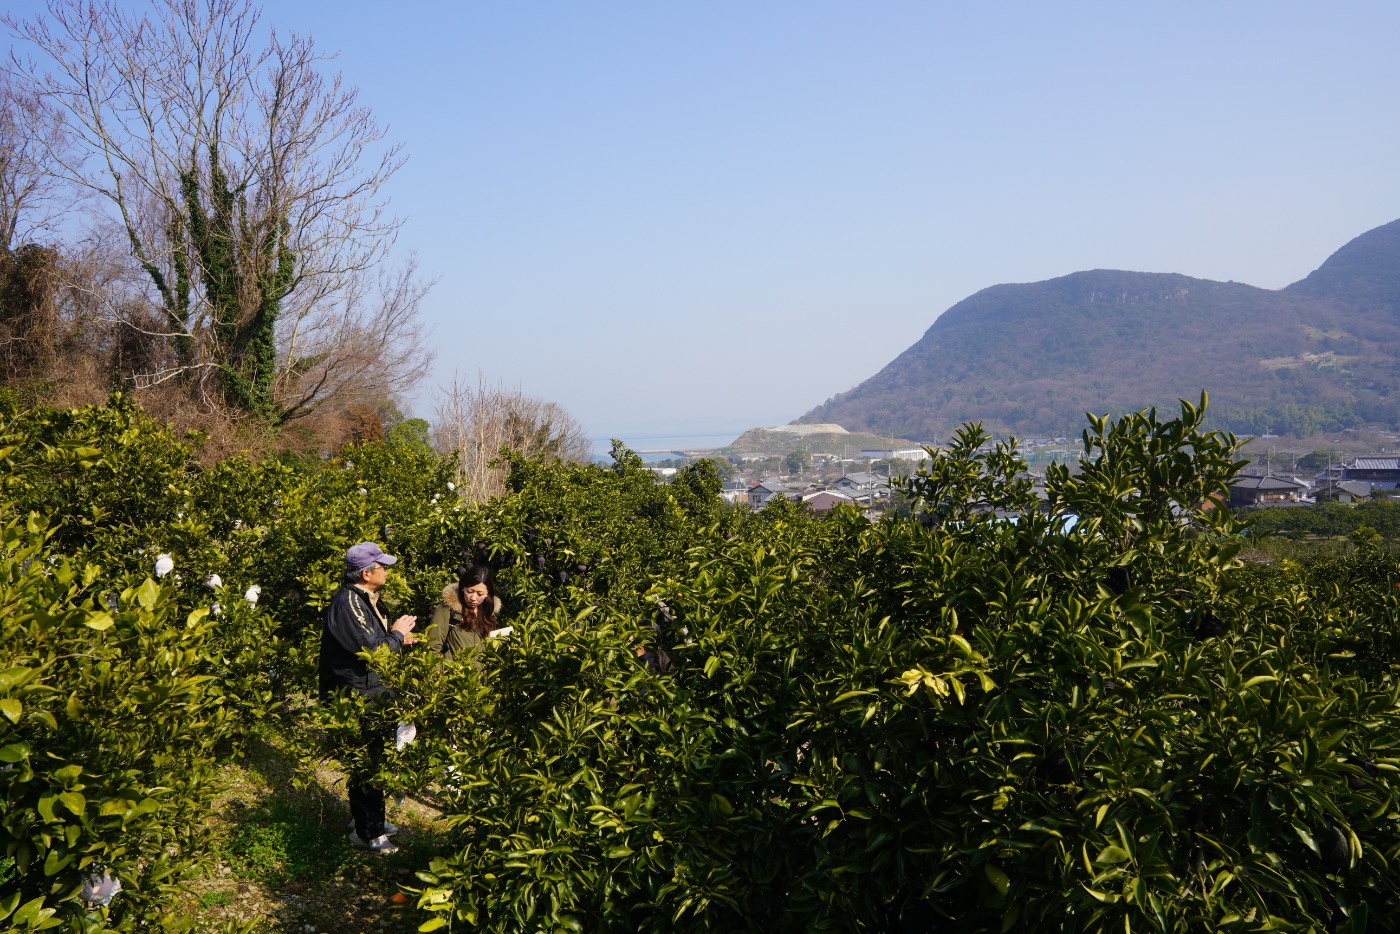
{"type": "Point", "coordinates": [1320, 355]}
{"type": "Point", "coordinates": [1364, 273]}
{"type": "Point", "coordinates": [816, 438]}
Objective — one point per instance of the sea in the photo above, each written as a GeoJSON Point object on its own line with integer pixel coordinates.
{"type": "Point", "coordinates": [655, 447]}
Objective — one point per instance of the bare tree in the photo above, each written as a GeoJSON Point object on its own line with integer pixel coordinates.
{"type": "Point", "coordinates": [31, 200]}
{"type": "Point", "coordinates": [57, 308]}
{"type": "Point", "coordinates": [372, 348]}
{"type": "Point", "coordinates": [248, 187]}
{"type": "Point", "coordinates": [477, 423]}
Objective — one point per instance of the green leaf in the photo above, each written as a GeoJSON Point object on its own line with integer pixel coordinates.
{"type": "Point", "coordinates": [11, 708]}
{"type": "Point", "coordinates": [29, 912]}
{"type": "Point", "coordinates": [999, 880]}
{"type": "Point", "coordinates": [14, 752]}
{"type": "Point", "coordinates": [958, 689]}
{"type": "Point", "coordinates": [14, 677]}
{"type": "Point", "coordinates": [1112, 854]}
{"type": "Point", "coordinates": [99, 621]}
{"type": "Point", "coordinates": [55, 861]}
{"type": "Point", "coordinates": [73, 801]}
{"type": "Point", "coordinates": [618, 852]}
{"type": "Point", "coordinates": [146, 594]}
{"type": "Point", "coordinates": [432, 924]}
{"type": "Point", "coordinates": [113, 806]}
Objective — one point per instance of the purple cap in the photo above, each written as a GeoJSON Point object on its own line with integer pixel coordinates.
{"type": "Point", "coordinates": [358, 557]}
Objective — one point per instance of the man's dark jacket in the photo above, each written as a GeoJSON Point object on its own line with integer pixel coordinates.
{"type": "Point", "coordinates": [353, 624]}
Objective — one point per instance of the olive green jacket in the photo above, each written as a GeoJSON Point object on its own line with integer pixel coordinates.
{"type": "Point", "coordinates": [446, 635]}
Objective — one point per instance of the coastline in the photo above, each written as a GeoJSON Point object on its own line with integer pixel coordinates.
{"type": "Point", "coordinates": [662, 444]}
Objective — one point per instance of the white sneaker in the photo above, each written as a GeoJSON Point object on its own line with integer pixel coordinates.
{"type": "Point", "coordinates": [389, 829]}
{"type": "Point", "coordinates": [379, 844]}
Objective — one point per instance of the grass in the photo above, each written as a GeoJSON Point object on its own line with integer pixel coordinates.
{"type": "Point", "coordinates": [276, 843]}
{"type": "Point", "coordinates": [280, 860]}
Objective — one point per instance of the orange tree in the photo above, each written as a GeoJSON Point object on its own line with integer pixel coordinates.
{"type": "Point", "coordinates": [953, 721]}
{"type": "Point", "coordinates": [132, 660]}
{"type": "Point", "coordinates": [111, 717]}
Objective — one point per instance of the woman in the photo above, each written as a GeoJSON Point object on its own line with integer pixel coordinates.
{"type": "Point", "coordinates": [467, 613]}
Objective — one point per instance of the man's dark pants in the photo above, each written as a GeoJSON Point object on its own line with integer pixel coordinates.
{"type": "Point", "coordinates": [367, 800]}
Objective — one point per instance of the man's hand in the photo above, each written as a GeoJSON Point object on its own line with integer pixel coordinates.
{"type": "Point", "coordinates": [404, 625]}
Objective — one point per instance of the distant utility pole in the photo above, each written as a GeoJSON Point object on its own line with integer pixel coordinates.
{"type": "Point", "coordinates": [1340, 465]}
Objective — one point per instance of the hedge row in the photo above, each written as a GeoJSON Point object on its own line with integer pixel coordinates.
{"type": "Point", "coordinates": [952, 721]}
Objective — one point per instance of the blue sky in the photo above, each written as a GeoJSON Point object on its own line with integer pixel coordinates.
{"type": "Point", "coordinates": [702, 217]}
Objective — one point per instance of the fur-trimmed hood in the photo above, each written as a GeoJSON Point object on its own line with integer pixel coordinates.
{"type": "Point", "coordinates": [453, 603]}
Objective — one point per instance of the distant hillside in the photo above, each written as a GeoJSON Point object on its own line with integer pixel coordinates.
{"type": "Point", "coordinates": [1320, 355]}
{"type": "Point", "coordinates": [836, 441]}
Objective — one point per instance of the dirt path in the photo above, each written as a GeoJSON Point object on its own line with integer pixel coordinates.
{"type": "Point", "coordinates": [282, 862]}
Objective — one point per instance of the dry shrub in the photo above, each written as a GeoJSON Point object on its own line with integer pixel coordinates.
{"type": "Point", "coordinates": [478, 422]}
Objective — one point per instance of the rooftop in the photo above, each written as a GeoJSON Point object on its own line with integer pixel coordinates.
{"type": "Point", "coordinates": [1374, 463]}
{"type": "Point", "coordinates": [1265, 483]}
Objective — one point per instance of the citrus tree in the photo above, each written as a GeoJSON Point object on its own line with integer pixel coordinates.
{"type": "Point", "coordinates": [953, 720]}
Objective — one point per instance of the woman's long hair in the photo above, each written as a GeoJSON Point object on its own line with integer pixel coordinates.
{"type": "Point", "coordinates": [481, 620]}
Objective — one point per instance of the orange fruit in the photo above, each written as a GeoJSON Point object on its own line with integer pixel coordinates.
{"type": "Point", "coordinates": [398, 898]}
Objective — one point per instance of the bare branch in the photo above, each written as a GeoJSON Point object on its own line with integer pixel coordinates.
{"type": "Point", "coordinates": [32, 201]}
{"type": "Point", "coordinates": [478, 422]}
{"type": "Point", "coordinates": [248, 182]}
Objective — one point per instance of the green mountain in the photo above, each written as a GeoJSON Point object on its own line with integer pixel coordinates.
{"type": "Point", "coordinates": [835, 441]}
{"type": "Point", "coordinates": [1320, 355]}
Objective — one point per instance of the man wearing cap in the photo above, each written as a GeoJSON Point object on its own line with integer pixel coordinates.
{"type": "Point", "coordinates": [355, 623]}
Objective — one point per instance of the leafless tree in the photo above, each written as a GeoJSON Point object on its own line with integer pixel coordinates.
{"type": "Point", "coordinates": [249, 185]}
{"type": "Point", "coordinates": [374, 347]}
{"type": "Point", "coordinates": [31, 200]}
{"type": "Point", "coordinates": [477, 422]}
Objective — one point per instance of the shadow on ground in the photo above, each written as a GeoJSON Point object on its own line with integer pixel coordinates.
{"type": "Point", "coordinates": [283, 863]}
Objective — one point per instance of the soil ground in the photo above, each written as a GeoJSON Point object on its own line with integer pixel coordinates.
{"type": "Point", "coordinates": [283, 863]}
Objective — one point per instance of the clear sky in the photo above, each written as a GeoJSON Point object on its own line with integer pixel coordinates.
{"type": "Point", "coordinates": [691, 217]}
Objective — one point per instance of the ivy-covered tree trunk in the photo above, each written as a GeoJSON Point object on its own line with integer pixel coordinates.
{"type": "Point", "coordinates": [246, 267]}
{"type": "Point", "coordinates": [28, 320]}
{"type": "Point", "coordinates": [248, 184]}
